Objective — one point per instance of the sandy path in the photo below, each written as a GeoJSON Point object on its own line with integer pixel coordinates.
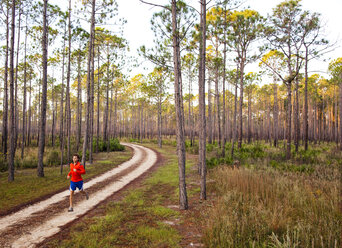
{"type": "Point", "coordinates": [52, 223]}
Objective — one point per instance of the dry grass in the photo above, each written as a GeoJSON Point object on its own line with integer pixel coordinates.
{"type": "Point", "coordinates": [267, 208]}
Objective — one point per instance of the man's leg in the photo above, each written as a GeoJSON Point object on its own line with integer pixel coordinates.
{"type": "Point", "coordinates": [85, 193]}
{"type": "Point", "coordinates": [71, 195]}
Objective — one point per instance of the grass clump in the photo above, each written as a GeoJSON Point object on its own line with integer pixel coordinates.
{"type": "Point", "coordinates": [160, 236]}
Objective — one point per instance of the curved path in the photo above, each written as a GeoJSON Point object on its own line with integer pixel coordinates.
{"type": "Point", "coordinates": [35, 223]}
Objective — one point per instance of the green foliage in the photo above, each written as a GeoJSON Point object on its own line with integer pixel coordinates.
{"type": "Point", "coordinates": [52, 157]}
{"type": "Point", "coordinates": [191, 149]}
{"type": "Point", "coordinates": [288, 166]}
{"type": "Point", "coordinates": [114, 145]}
{"type": "Point", "coordinates": [213, 162]}
{"type": "Point", "coordinates": [28, 162]}
{"type": "Point", "coordinates": [3, 163]}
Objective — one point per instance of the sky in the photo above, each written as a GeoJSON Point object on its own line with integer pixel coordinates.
{"type": "Point", "coordinates": [138, 28]}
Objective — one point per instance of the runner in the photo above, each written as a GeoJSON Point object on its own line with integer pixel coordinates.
{"type": "Point", "coordinates": [76, 181]}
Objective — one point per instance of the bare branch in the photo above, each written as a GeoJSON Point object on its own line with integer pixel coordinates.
{"type": "Point", "coordinates": [156, 5]}
{"type": "Point", "coordinates": [272, 69]}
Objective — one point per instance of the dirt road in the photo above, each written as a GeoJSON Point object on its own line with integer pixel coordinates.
{"type": "Point", "coordinates": [35, 223]}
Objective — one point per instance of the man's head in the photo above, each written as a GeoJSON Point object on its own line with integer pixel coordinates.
{"type": "Point", "coordinates": [75, 158]}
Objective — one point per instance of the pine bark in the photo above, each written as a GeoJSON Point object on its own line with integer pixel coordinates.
{"type": "Point", "coordinates": [12, 106]}
{"type": "Point", "coordinates": [24, 100]}
{"type": "Point", "coordinates": [210, 121]}
{"type": "Point", "coordinates": [5, 103]}
{"type": "Point", "coordinates": [249, 118]}
{"type": "Point", "coordinates": [306, 123]}
{"type": "Point", "coordinates": [42, 125]}
{"type": "Point", "coordinates": [340, 104]}
{"type": "Point", "coordinates": [89, 72]}
{"type": "Point", "coordinates": [224, 133]}
{"type": "Point", "coordinates": [16, 80]}
{"type": "Point", "coordinates": [61, 115]}
{"type": "Point", "coordinates": [202, 131]}
{"type": "Point", "coordinates": [68, 108]}
{"type": "Point", "coordinates": [183, 199]}
{"type": "Point", "coordinates": [242, 66]}
{"type": "Point", "coordinates": [98, 100]}
{"type": "Point", "coordinates": [79, 102]}
{"type": "Point", "coordinates": [235, 113]}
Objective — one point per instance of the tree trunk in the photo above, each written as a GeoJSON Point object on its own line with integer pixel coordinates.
{"type": "Point", "coordinates": [105, 124]}
{"type": "Point", "coordinates": [12, 114]}
{"type": "Point", "coordinates": [89, 72]}
{"type": "Point", "coordinates": [296, 116]}
{"type": "Point", "coordinates": [16, 80]}
{"type": "Point", "coordinates": [202, 119]}
{"type": "Point", "coordinates": [29, 115]}
{"type": "Point", "coordinates": [218, 108]}
{"type": "Point", "coordinates": [210, 122]}
{"type": "Point", "coordinates": [249, 118]}
{"type": "Point", "coordinates": [79, 102]}
{"type": "Point", "coordinates": [61, 125]}
{"type": "Point", "coordinates": [224, 86]}
{"type": "Point", "coordinates": [183, 199]}
{"type": "Point", "coordinates": [24, 101]}
{"type": "Point", "coordinates": [5, 104]}
{"type": "Point", "coordinates": [336, 117]}
{"type": "Point", "coordinates": [42, 125]}
{"type": "Point", "coordinates": [242, 65]}
{"type": "Point", "coordinates": [306, 123]}
{"type": "Point", "coordinates": [235, 113]}
{"type": "Point", "coordinates": [116, 112]}
{"type": "Point", "coordinates": [288, 123]}
{"type": "Point", "coordinates": [340, 104]}
{"type": "Point", "coordinates": [98, 100]}
{"type": "Point", "coordinates": [160, 142]}
{"type": "Point", "coordinates": [91, 148]}
{"type": "Point", "coordinates": [68, 109]}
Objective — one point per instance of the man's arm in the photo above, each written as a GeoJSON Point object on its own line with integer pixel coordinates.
{"type": "Point", "coordinates": [81, 170]}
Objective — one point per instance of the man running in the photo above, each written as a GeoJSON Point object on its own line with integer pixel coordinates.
{"type": "Point", "coordinates": [76, 181]}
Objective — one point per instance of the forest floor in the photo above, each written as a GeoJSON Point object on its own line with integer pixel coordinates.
{"type": "Point", "coordinates": [136, 188]}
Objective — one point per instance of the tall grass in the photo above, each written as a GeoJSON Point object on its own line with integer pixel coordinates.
{"type": "Point", "coordinates": [258, 208]}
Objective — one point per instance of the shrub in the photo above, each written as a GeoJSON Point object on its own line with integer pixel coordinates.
{"type": "Point", "coordinates": [114, 145]}
{"type": "Point", "coordinates": [28, 162]}
{"type": "Point", "coordinates": [52, 157]}
{"type": "Point", "coordinates": [3, 163]}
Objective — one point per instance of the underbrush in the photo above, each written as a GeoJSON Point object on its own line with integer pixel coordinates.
{"type": "Point", "coordinates": [114, 145]}
{"type": "Point", "coordinates": [258, 208]}
{"type": "Point", "coordinates": [52, 155]}
{"type": "Point", "coordinates": [262, 156]}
